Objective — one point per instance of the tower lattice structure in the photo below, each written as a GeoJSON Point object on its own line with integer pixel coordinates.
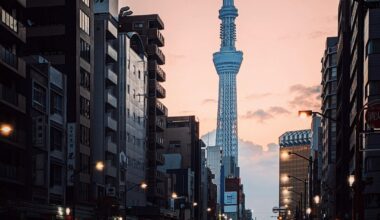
{"type": "Point", "coordinates": [227, 63]}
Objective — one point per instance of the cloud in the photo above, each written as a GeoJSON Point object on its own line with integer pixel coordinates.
{"type": "Point", "coordinates": [261, 115]}
{"type": "Point", "coordinates": [258, 96]}
{"type": "Point", "coordinates": [307, 97]}
{"type": "Point", "coordinates": [209, 101]}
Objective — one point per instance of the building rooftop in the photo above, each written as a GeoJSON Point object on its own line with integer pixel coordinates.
{"type": "Point", "coordinates": [295, 138]}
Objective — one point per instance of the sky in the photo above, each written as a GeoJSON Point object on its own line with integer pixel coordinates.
{"type": "Point", "coordinates": [283, 43]}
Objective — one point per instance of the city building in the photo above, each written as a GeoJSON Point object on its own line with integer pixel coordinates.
{"type": "Point", "coordinates": [227, 63]}
{"type": "Point", "coordinates": [233, 198]}
{"type": "Point", "coordinates": [105, 136]}
{"type": "Point", "coordinates": [329, 104]}
{"type": "Point", "coordinates": [357, 55]}
{"type": "Point", "coordinates": [214, 161]}
{"type": "Point", "coordinates": [294, 171]}
{"type": "Point", "coordinates": [63, 33]}
{"type": "Point", "coordinates": [203, 204]}
{"type": "Point", "coordinates": [248, 214]}
{"type": "Point", "coordinates": [182, 138]}
{"type": "Point", "coordinates": [133, 105]}
{"type": "Point", "coordinates": [148, 27]}
{"type": "Point", "coordinates": [13, 108]}
{"type": "Point", "coordinates": [315, 171]}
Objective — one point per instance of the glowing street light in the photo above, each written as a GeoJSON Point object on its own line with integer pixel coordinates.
{"type": "Point", "coordinates": [143, 185]}
{"type": "Point", "coordinates": [351, 180]}
{"type": "Point", "coordinates": [174, 195]}
{"type": "Point", "coordinates": [285, 178]}
{"type": "Point", "coordinates": [68, 211]}
{"type": "Point", "coordinates": [6, 129]}
{"type": "Point", "coordinates": [195, 204]}
{"type": "Point", "coordinates": [308, 211]}
{"type": "Point", "coordinates": [285, 155]}
{"type": "Point", "coordinates": [99, 166]}
{"type": "Point", "coordinates": [317, 199]}
{"type": "Point", "coordinates": [209, 209]}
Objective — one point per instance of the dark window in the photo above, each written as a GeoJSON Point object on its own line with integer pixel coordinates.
{"type": "Point", "coordinates": [39, 97]}
{"type": "Point", "coordinates": [85, 79]}
{"type": "Point", "coordinates": [85, 135]}
{"type": "Point", "coordinates": [85, 107]}
{"type": "Point", "coordinates": [372, 164]}
{"type": "Point", "coordinates": [84, 22]}
{"type": "Point", "coordinates": [85, 50]}
{"type": "Point", "coordinates": [373, 46]}
{"type": "Point", "coordinates": [138, 25]}
{"type": "Point", "coordinates": [55, 175]}
{"type": "Point", "coordinates": [84, 163]}
{"type": "Point", "coordinates": [173, 144]}
{"type": "Point", "coordinates": [55, 139]}
{"type": "Point", "coordinates": [84, 192]}
{"type": "Point", "coordinates": [56, 103]}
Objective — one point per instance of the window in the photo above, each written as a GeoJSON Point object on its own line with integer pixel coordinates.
{"type": "Point", "coordinates": [85, 107]}
{"type": "Point", "coordinates": [39, 97]}
{"type": "Point", "coordinates": [373, 46]}
{"type": "Point", "coordinates": [138, 25]}
{"type": "Point", "coordinates": [85, 135]}
{"type": "Point", "coordinates": [55, 139]}
{"type": "Point", "coordinates": [85, 50]}
{"type": "Point", "coordinates": [128, 89]}
{"type": "Point", "coordinates": [56, 103]}
{"type": "Point", "coordinates": [9, 20]}
{"type": "Point", "coordinates": [128, 113]}
{"type": "Point", "coordinates": [84, 22]}
{"type": "Point", "coordinates": [333, 73]}
{"type": "Point", "coordinates": [84, 163]}
{"type": "Point", "coordinates": [55, 175]}
{"type": "Point", "coordinates": [139, 74]}
{"type": "Point", "coordinates": [85, 79]}
{"type": "Point", "coordinates": [373, 88]}
{"type": "Point", "coordinates": [173, 144]}
{"type": "Point", "coordinates": [86, 2]}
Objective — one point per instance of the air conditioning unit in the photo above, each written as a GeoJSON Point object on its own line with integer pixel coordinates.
{"type": "Point", "coordinates": [110, 191]}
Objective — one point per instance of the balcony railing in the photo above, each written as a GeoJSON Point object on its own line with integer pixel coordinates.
{"type": "Point", "coordinates": [111, 145]}
{"type": "Point", "coordinates": [160, 158]}
{"type": "Point", "coordinates": [110, 168]}
{"type": "Point", "coordinates": [12, 98]}
{"type": "Point", "coordinates": [160, 124]}
{"type": "Point", "coordinates": [161, 108]}
{"type": "Point", "coordinates": [16, 27]}
{"type": "Point", "coordinates": [110, 99]}
{"type": "Point", "coordinates": [155, 35]}
{"type": "Point", "coordinates": [11, 59]}
{"type": "Point", "coordinates": [157, 72]}
{"type": "Point", "coordinates": [111, 54]}
{"type": "Point", "coordinates": [12, 173]}
{"type": "Point", "coordinates": [154, 51]}
{"type": "Point", "coordinates": [111, 76]}
{"type": "Point", "coordinates": [111, 123]}
{"type": "Point", "coordinates": [159, 142]}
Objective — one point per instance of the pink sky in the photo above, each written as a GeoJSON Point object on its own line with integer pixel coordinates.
{"type": "Point", "coordinates": [283, 42]}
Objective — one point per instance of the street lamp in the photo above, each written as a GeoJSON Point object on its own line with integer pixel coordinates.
{"type": "Point", "coordinates": [99, 166]}
{"type": "Point", "coordinates": [6, 129]}
{"type": "Point", "coordinates": [309, 113]}
{"type": "Point", "coordinates": [317, 199]}
{"type": "Point", "coordinates": [351, 180]}
{"type": "Point", "coordinates": [308, 211]}
{"type": "Point", "coordinates": [174, 195]}
{"type": "Point", "coordinates": [209, 209]}
{"type": "Point", "coordinates": [195, 204]}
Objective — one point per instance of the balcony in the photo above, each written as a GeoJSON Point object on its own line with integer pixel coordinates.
{"type": "Point", "coordinates": [12, 174]}
{"type": "Point", "coordinates": [12, 99]}
{"type": "Point", "coordinates": [154, 52]}
{"type": "Point", "coordinates": [111, 54]}
{"type": "Point", "coordinates": [12, 25]}
{"type": "Point", "coordinates": [111, 76]}
{"type": "Point", "coordinates": [155, 174]}
{"type": "Point", "coordinates": [155, 36]}
{"type": "Point", "coordinates": [156, 90]}
{"type": "Point", "coordinates": [110, 122]}
{"type": "Point", "coordinates": [110, 168]}
{"type": "Point", "coordinates": [13, 62]}
{"type": "Point", "coordinates": [155, 72]}
{"type": "Point", "coordinates": [160, 124]}
{"type": "Point", "coordinates": [111, 145]}
{"type": "Point", "coordinates": [160, 159]}
{"type": "Point", "coordinates": [159, 142]}
{"type": "Point", "coordinates": [161, 109]}
{"type": "Point", "coordinates": [111, 31]}
{"type": "Point", "coordinates": [110, 99]}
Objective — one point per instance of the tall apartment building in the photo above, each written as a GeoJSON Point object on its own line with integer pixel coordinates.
{"type": "Point", "coordinates": [133, 81]}
{"type": "Point", "coordinates": [357, 89]}
{"type": "Point", "coordinates": [182, 137]}
{"type": "Point", "coordinates": [148, 27]}
{"type": "Point", "coordinates": [329, 104]}
{"type": "Point", "coordinates": [105, 136]}
{"type": "Point", "coordinates": [63, 33]}
{"type": "Point", "coordinates": [294, 170]}
{"type": "Point", "coordinates": [343, 201]}
{"type": "Point", "coordinates": [13, 106]}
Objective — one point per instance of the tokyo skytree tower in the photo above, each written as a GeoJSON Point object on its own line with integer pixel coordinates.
{"type": "Point", "coordinates": [227, 63]}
